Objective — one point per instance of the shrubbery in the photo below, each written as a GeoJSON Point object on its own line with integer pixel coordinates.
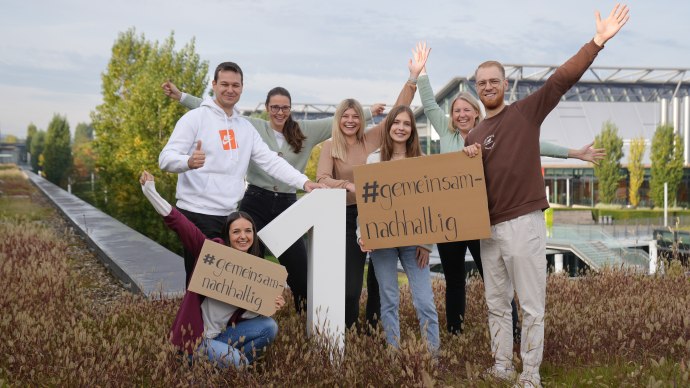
{"type": "Point", "coordinates": [611, 328]}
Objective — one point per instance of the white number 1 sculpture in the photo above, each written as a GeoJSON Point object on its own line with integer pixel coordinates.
{"type": "Point", "coordinates": [321, 213]}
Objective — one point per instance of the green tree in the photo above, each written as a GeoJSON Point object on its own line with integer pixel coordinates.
{"type": "Point", "coordinates": [38, 143]}
{"type": "Point", "coordinates": [635, 168]}
{"type": "Point", "coordinates": [608, 171]}
{"type": "Point", "coordinates": [58, 151]}
{"type": "Point", "coordinates": [135, 120]}
{"type": "Point", "coordinates": [30, 133]}
{"type": "Point", "coordinates": [667, 164]}
{"type": "Point", "coordinates": [83, 133]}
{"type": "Point", "coordinates": [261, 115]}
{"type": "Point", "coordinates": [82, 151]}
{"type": "Point", "coordinates": [313, 163]}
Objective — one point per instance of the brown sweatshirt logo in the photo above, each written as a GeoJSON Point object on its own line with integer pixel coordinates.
{"type": "Point", "coordinates": [489, 142]}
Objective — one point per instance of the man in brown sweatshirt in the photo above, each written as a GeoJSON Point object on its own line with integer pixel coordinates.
{"type": "Point", "coordinates": [514, 257]}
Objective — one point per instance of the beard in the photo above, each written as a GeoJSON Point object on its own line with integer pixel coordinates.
{"type": "Point", "coordinates": [495, 102]}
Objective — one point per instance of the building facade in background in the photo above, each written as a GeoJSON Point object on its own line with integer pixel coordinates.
{"type": "Point", "coordinates": [636, 100]}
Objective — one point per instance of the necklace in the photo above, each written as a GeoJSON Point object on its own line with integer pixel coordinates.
{"type": "Point", "coordinates": [400, 153]}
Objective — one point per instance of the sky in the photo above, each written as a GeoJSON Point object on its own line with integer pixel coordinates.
{"type": "Point", "coordinates": [52, 53]}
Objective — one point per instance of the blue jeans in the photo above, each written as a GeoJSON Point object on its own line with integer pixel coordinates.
{"type": "Point", "coordinates": [246, 340]}
{"type": "Point", "coordinates": [386, 267]}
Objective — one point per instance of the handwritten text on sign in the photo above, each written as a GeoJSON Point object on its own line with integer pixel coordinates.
{"type": "Point", "coordinates": [429, 199]}
{"type": "Point", "coordinates": [238, 278]}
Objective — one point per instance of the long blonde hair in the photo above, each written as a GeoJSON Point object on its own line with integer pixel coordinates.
{"type": "Point", "coordinates": [339, 149]}
{"type": "Point", "coordinates": [468, 98]}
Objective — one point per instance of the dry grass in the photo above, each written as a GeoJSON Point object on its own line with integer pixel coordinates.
{"type": "Point", "coordinates": [609, 329]}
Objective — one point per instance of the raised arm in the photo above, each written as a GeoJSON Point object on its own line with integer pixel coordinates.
{"type": "Point", "coordinates": [374, 135]}
{"type": "Point", "coordinates": [171, 90]}
{"type": "Point", "coordinates": [538, 105]}
{"type": "Point", "coordinates": [432, 110]}
{"type": "Point", "coordinates": [417, 64]}
{"type": "Point", "coordinates": [609, 27]}
{"type": "Point", "coordinates": [148, 186]}
{"type": "Point", "coordinates": [190, 236]}
{"type": "Point", "coordinates": [191, 102]}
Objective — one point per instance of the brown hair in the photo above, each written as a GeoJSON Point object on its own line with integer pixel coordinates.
{"type": "Point", "coordinates": [228, 66]}
{"type": "Point", "coordinates": [254, 249]}
{"type": "Point", "coordinates": [412, 147]}
{"type": "Point", "coordinates": [292, 132]}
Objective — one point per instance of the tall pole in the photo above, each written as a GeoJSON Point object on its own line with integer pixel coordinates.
{"type": "Point", "coordinates": [665, 204]}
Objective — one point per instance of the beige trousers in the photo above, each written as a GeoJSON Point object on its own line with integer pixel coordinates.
{"type": "Point", "coordinates": [514, 259]}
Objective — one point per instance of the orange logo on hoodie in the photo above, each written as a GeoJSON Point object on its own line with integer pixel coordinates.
{"type": "Point", "coordinates": [227, 138]}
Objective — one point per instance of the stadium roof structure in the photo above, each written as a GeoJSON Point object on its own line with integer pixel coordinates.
{"type": "Point", "coordinates": [605, 84]}
{"type": "Point", "coordinates": [311, 111]}
{"type": "Point", "coordinates": [598, 84]}
{"type": "Point", "coordinates": [636, 99]}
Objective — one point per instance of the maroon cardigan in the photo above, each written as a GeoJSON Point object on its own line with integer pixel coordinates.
{"type": "Point", "coordinates": [188, 326]}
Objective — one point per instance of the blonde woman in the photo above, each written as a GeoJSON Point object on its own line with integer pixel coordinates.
{"type": "Point", "coordinates": [349, 146]}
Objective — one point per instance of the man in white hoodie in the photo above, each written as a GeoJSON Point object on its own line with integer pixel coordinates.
{"type": "Point", "coordinates": [210, 148]}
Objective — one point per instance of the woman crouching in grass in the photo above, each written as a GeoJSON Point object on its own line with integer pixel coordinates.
{"type": "Point", "coordinates": [228, 335]}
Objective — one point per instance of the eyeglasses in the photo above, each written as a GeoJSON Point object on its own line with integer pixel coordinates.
{"type": "Point", "coordinates": [277, 108]}
{"type": "Point", "coordinates": [494, 82]}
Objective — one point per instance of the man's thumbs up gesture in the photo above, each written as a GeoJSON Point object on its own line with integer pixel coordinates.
{"type": "Point", "coordinates": [198, 157]}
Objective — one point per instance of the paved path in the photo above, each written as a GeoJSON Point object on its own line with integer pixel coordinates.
{"type": "Point", "coordinates": [140, 263]}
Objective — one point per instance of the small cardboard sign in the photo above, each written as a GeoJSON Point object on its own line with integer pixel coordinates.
{"type": "Point", "coordinates": [238, 278]}
{"type": "Point", "coordinates": [424, 200]}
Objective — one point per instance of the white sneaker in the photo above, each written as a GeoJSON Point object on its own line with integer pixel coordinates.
{"type": "Point", "coordinates": [528, 381]}
{"type": "Point", "coordinates": [500, 373]}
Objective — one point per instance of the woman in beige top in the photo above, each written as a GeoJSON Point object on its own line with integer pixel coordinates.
{"type": "Point", "coordinates": [349, 146]}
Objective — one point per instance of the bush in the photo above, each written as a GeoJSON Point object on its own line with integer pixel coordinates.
{"type": "Point", "coordinates": [609, 328]}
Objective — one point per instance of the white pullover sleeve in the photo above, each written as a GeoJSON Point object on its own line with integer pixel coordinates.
{"type": "Point", "coordinates": [274, 165]}
{"type": "Point", "coordinates": [175, 154]}
{"type": "Point", "coordinates": [161, 205]}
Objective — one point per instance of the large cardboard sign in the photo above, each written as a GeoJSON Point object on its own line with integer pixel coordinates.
{"type": "Point", "coordinates": [429, 199]}
{"type": "Point", "coordinates": [238, 278]}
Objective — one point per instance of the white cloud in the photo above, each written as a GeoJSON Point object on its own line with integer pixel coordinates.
{"type": "Point", "coordinates": [321, 51]}
{"type": "Point", "coordinates": [308, 90]}
{"type": "Point", "coordinates": [20, 106]}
